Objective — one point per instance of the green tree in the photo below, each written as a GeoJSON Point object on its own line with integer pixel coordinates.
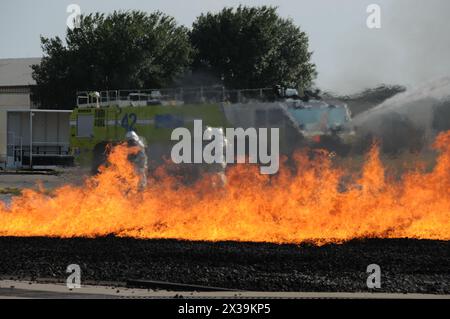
{"type": "Point", "coordinates": [122, 50]}
{"type": "Point", "coordinates": [251, 47]}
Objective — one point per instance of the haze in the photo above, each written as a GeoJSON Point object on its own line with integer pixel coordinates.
{"type": "Point", "coordinates": [411, 47]}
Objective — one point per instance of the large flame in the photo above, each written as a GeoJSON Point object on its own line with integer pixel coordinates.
{"type": "Point", "coordinates": [310, 203]}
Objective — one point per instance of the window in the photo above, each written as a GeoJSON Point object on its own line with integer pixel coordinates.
{"type": "Point", "coordinates": [85, 125]}
{"type": "Point", "coordinates": [99, 118]}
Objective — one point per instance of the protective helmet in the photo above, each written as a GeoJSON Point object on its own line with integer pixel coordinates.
{"type": "Point", "coordinates": [134, 139]}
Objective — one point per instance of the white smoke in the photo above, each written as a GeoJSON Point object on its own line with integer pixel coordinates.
{"type": "Point", "coordinates": [407, 119]}
{"type": "Point", "coordinates": [422, 97]}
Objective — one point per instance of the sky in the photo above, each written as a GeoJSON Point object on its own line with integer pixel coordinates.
{"type": "Point", "coordinates": [411, 47]}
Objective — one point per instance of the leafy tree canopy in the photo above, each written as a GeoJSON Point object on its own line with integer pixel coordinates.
{"type": "Point", "coordinates": [130, 49]}
{"type": "Point", "coordinates": [252, 47]}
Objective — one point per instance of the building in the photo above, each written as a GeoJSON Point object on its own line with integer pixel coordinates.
{"type": "Point", "coordinates": [29, 135]}
{"type": "Point", "coordinates": [16, 82]}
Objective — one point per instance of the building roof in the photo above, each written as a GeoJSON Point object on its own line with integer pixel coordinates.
{"type": "Point", "coordinates": [17, 72]}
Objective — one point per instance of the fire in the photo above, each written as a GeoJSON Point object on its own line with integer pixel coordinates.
{"type": "Point", "coordinates": [309, 203]}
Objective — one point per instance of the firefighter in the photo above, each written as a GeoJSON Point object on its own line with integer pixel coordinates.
{"type": "Point", "coordinates": [140, 159]}
{"type": "Point", "coordinates": [218, 168]}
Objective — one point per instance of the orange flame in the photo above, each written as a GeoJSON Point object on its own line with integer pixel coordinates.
{"type": "Point", "coordinates": [308, 205]}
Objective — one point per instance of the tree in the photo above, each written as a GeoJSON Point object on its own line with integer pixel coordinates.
{"type": "Point", "coordinates": [252, 47]}
{"type": "Point", "coordinates": [123, 50]}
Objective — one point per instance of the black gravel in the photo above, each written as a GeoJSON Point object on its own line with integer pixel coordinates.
{"type": "Point", "coordinates": [407, 265]}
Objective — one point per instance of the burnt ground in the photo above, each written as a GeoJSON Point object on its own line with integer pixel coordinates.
{"type": "Point", "coordinates": [407, 265]}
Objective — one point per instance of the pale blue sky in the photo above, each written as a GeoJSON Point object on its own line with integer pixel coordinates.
{"type": "Point", "coordinates": [412, 45]}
